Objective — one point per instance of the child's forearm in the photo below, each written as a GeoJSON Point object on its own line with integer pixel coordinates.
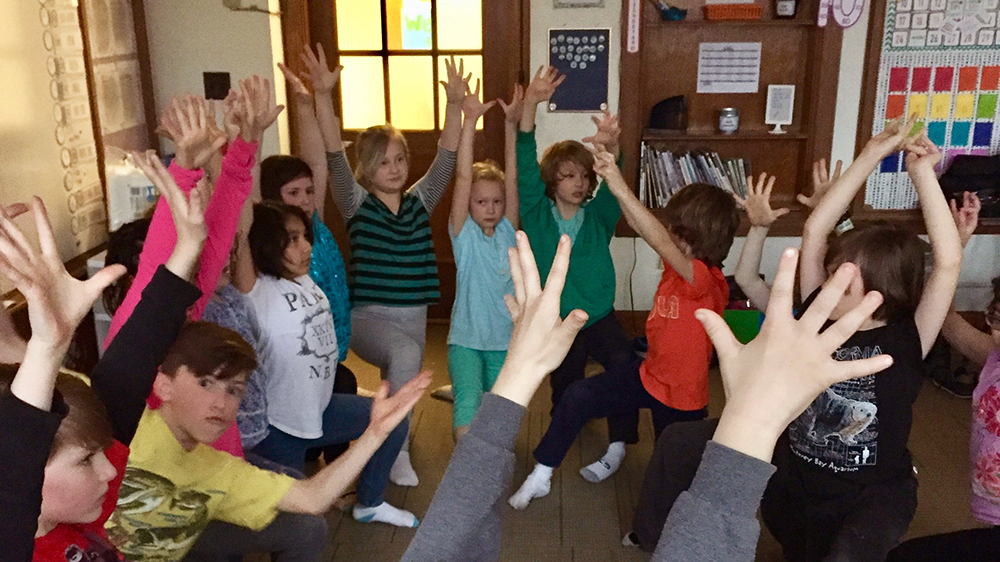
{"type": "Point", "coordinates": [512, 211]}
{"type": "Point", "coordinates": [222, 218]}
{"type": "Point", "coordinates": [452, 127]}
{"type": "Point", "coordinates": [650, 228]}
{"type": "Point", "coordinates": [748, 268]}
{"type": "Point", "coordinates": [463, 176]}
{"type": "Point", "coordinates": [317, 494]}
{"type": "Point", "coordinates": [329, 124]}
{"type": "Point", "coordinates": [528, 116]}
{"type": "Point", "coordinates": [972, 343]}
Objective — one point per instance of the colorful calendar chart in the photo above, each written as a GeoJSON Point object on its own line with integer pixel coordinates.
{"type": "Point", "coordinates": [940, 60]}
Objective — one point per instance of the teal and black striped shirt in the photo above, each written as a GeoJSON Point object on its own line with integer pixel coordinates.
{"type": "Point", "coordinates": [392, 255]}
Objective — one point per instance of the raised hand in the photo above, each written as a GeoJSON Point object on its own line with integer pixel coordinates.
{"type": "Point", "coordinates": [57, 302]}
{"type": "Point", "coordinates": [457, 84]}
{"type": "Point", "coordinates": [607, 133]}
{"type": "Point", "coordinates": [541, 339]}
{"type": "Point", "coordinates": [388, 411]}
{"type": "Point", "coordinates": [966, 218]}
{"type": "Point", "coordinates": [606, 168]}
{"type": "Point", "coordinates": [772, 379]}
{"type": "Point", "coordinates": [513, 110]}
{"type": "Point", "coordinates": [230, 107]}
{"type": "Point", "coordinates": [473, 108]}
{"type": "Point", "coordinates": [188, 213]}
{"type": "Point", "coordinates": [185, 122]}
{"type": "Point", "coordinates": [822, 181]}
{"type": "Point", "coordinates": [921, 154]}
{"type": "Point", "coordinates": [893, 138]}
{"type": "Point", "coordinates": [758, 202]}
{"type": "Point", "coordinates": [318, 73]}
{"type": "Point", "coordinates": [295, 83]}
{"type": "Point", "coordinates": [211, 120]}
{"type": "Point", "coordinates": [543, 85]}
{"type": "Point", "coordinates": [254, 112]}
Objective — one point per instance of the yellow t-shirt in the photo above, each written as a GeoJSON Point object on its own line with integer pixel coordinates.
{"type": "Point", "coordinates": [168, 494]}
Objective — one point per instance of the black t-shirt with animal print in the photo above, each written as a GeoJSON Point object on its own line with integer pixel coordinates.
{"type": "Point", "coordinates": [858, 430]}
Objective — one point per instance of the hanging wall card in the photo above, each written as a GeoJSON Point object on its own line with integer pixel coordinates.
{"type": "Point", "coordinates": [582, 55]}
{"type": "Point", "coordinates": [941, 61]}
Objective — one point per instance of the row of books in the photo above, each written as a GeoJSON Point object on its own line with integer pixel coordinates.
{"type": "Point", "coordinates": [662, 173]}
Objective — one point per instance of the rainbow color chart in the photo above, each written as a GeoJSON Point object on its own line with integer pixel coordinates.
{"type": "Point", "coordinates": [953, 89]}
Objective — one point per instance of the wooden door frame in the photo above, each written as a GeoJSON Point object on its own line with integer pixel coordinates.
{"type": "Point", "coordinates": [309, 22]}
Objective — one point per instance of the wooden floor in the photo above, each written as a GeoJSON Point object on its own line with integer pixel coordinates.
{"type": "Point", "coordinates": [579, 521]}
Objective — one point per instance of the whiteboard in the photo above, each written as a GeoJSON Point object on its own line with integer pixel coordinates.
{"type": "Point", "coordinates": [46, 134]}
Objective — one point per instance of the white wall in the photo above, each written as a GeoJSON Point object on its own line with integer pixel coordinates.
{"type": "Point", "coordinates": [189, 37]}
{"type": "Point", "coordinates": [637, 267]}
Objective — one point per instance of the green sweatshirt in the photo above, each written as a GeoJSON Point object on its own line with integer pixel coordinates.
{"type": "Point", "coordinates": [590, 282]}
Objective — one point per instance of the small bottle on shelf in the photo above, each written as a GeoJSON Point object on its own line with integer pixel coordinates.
{"type": "Point", "coordinates": [785, 8]}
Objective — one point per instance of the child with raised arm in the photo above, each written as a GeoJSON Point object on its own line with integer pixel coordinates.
{"type": "Point", "coordinates": [393, 268]}
{"type": "Point", "coordinates": [980, 348]}
{"type": "Point", "coordinates": [672, 382]}
{"type": "Point", "coordinates": [769, 381]}
{"type": "Point", "coordinates": [561, 195]}
{"type": "Point", "coordinates": [758, 208]}
{"type": "Point", "coordinates": [845, 487]}
{"type": "Point", "coordinates": [191, 126]}
{"type": "Point", "coordinates": [484, 216]}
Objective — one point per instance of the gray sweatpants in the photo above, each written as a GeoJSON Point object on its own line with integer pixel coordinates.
{"type": "Point", "coordinates": [391, 338]}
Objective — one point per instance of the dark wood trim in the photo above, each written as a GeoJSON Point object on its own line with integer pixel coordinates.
{"type": "Point", "coordinates": [145, 70]}
{"type": "Point", "coordinates": [869, 89]}
{"type": "Point", "coordinates": [294, 36]}
{"type": "Point", "coordinates": [95, 113]}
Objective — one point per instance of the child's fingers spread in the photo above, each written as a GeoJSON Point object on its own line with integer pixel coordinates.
{"type": "Point", "coordinates": [837, 170]}
{"type": "Point", "coordinates": [770, 186]}
{"type": "Point", "coordinates": [781, 212]}
{"type": "Point", "coordinates": [833, 290]}
{"type": "Point", "coordinates": [529, 270]}
{"type": "Point", "coordinates": [846, 325]}
{"type": "Point", "coordinates": [516, 274]}
{"type": "Point", "coordinates": [104, 278]}
{"type": "Point", "coordinates": [726, 344]}
{"type": "Point", "coordinates": [560, 266]}
{"type": "Point", "coordinates": [46, 239]}
{"type": "Point", "coordinates": [782, 292]}
{"type": "Point", "coordinates": [512, 307]}
{"type": "Point", "coordinates": [15, 209]}
{"type": "Point", "coordinates": [845, 370]}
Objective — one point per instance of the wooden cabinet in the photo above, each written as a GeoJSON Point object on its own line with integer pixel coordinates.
{"type": "Point", "coordinates": [793, 51]}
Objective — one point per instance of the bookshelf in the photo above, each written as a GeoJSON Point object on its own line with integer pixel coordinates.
{"type": "Point", "coordinates": [793, 51]}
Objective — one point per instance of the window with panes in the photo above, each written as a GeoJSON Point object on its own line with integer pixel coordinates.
{"type": "Point", "coordinates": [394, 52]}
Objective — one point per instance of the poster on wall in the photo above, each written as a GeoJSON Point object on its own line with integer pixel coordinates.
{"type": "Point", "coordinates": [941, 61]}
{"type": "Point", "coordinates": [63, 40]}
{"type": "Point", "coordinates": [582, 55]}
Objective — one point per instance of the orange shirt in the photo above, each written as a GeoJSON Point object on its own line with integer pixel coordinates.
{"type": "Point", "coordinates": [675, 371]}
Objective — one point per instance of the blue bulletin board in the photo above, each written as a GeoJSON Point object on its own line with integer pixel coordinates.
{"type": "Point", "coordinates": [582, 55]}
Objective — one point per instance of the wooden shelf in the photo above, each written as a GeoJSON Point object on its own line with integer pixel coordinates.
{"type": "Point", "coordinates": [795, 22]}
{"type": "Point", "coordinates": [653, 135]}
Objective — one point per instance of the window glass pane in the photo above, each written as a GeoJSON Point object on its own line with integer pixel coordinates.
{"type": "Point", "coordinates": [460, 24]}
{"type": "Point", "coordinates": [359, 25]}
{"type": "Point", "coordinates": [473, 65]}
{"type": "Point", "coordinates": [408, 23]}
{"type": "Point", "coordinates": [411, 93]}
{"type": "Point", "coordinates": [362, 91]}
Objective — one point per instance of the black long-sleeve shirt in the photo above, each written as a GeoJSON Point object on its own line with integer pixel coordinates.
{"type": "Point", "coordinates": [122, 379]}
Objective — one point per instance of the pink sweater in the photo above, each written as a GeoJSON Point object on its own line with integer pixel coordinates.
{"type": "Point", "coordinates": [984, 445]}
{"type": "Point", "coordinates": [221, 219]}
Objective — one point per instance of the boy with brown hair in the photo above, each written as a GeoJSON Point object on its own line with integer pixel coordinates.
{"type": "Point", "coordinates": [562, 195]}
{"type": "Point", "coordinates": [672, 382]}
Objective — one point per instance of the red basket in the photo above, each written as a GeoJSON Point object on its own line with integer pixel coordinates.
{"type": "Point", "coordinates": [733, 11]}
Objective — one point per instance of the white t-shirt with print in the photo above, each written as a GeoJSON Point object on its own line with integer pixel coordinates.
{"type": "Point", "coordinates": [302, 363]}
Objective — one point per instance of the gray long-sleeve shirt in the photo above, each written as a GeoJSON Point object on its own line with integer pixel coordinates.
{"type": "Point", "coordinates": [715, 520]}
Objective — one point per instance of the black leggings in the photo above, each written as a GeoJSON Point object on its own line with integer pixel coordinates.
{"type": "Point", "coordinates": [981, 545]}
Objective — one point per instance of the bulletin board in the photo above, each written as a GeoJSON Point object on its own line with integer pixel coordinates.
{"type": "Point", "coordinates": [582, 55]}
{"type": "Point", "coordinates": [941, 60]}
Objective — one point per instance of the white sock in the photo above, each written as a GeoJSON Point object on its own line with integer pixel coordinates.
{"type": "Point", "coordinates": [385, 513]}
{"type": "Point", "coordinates": [608, 465]}
{"type": "Point", "coordinates": [536, 485]}
{"type": "Point", "coordinates": [402, 473]}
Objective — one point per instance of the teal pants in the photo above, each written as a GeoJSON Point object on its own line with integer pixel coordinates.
{"type": "Point", "coordinates": [472, 373]}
